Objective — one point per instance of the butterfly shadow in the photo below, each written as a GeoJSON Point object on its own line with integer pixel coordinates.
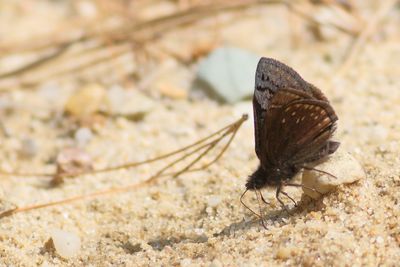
{"type": "Point", "coordinates": [280, 216]}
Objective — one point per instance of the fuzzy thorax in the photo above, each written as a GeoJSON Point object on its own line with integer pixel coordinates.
{"type": "Point", "coordinates": [270, 177]}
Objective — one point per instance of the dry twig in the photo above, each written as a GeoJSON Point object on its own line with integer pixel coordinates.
{"type": "Point", "coordinates": [138, 32]}
{"type": "Point", "coordinates": [363, 37]}
{"type": "Point", "coordinates": [203, 144]}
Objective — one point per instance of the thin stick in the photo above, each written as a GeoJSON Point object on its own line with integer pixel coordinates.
{"type": "Point", "coordinates": [37, 63]}
{"type": "Point", "coordinates": [314, 21]}
{"type": "Point", "coordinates": [363, 37]}
{"type": "Point", "coordinates": [154, 28]}
{"type": "Point", "coordinates": [212, 145]}
{"type": "Point", "coordinates": [232, 128]}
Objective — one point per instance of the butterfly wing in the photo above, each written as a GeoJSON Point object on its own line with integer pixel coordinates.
{"type": "Point", "coordinates": [271, 76]}
{"type": "Point", "coordinates": [298, 128]}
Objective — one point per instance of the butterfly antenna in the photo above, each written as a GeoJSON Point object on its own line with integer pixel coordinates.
{"type": "Point", "coordinates": [303, 186]}
{"type": "Point", "coordinates": [321, 171]}
{"type": "Point", "coordinates": [247, 207]}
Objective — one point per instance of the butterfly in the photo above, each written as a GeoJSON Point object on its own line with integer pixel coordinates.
{"type": "Point", "coordinates": [294, 123]}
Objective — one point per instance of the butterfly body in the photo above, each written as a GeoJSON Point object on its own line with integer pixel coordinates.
{"type": "Point", "coordinates": [294, 123]}
{"type": "Point", "coordinates": [271, 176]}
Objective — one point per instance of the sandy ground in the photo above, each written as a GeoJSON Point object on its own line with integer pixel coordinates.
{"type": "Point", "coordinates": [197, 219]}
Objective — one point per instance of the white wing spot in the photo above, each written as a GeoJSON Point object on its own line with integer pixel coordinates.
{"type": "Point", "coordinates": [323, 112]}
{"type": "Point", "coordinates": [293, 113]}
{"type": "Point", "coordinates": [298, 120]}
{"type": "Point", "coordinates": [312, 114]}
{"type": "Point", "coordinates": [317, 108]}
{"type": "Point", "coordinates": [283, 120]}
{"type": "Point", "coordinates": [316, 117]}
{"type": "Point", "coordinates": [302, 118]}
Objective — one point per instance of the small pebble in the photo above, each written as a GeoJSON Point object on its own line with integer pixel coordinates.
{"type": "Point", "coordinates": [51, 92]}
{"type": "Point", "coordinates": [128, 102]}
{"type": "Point", "coordinates": [284, 253]}
{"type": "Point", "coordinates": [83, 136]}
{"type": "Point", "coordinates": [29, 148]}
{"type": "Point", "coordinates": [86, 101]}
{"type": "Point", "coordinates": [172, 91]}
{"type": "Point", "coordinates": [73, 160]}
{"type": "Point", "coordinates": [379, 133]}
{"type": "Point", "coordinates": [213, 201]}
{"type": "Point", "coordinates": [66, 244]}
{"type": "Point", "coordinates": [341, 164]}
{"type": "Point", "coordinates": [379, 240]}
{"type": "Point", "coordinates": [216, 263]}
{"type": "Point", "coordinates": [45, 264]}
{"type": "Point", "coordinates": [86, 9]}
{"type": "Point", "coordinates": [186, 262]}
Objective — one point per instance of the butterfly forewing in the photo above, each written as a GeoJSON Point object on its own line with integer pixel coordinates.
{"type": "Point", "coordinates": [271, 77]}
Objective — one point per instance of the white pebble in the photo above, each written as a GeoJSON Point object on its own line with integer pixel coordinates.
{"type": "Point", "coordinates": [66, 244]}
{"type": "Point", "coordinates": [379, 133]}
{"type": "Point", "coordinates": [341, 164]}
{"type": "Point", "coordinates": [87, 9]}
{"type": "Point", "coordinates": [186, 262]}
{"type": "Point", "coordinates": [216, 263]}
{"type": "Point", "coordinates": [83, 136]}
{"type": "Point", "coordinates": [213, 201]}
{"type": "Point", "coordinates": [29, 148]}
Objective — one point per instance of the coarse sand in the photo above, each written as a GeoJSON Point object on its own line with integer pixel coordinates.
{"type": "Point", "coordinates": [196, 219]}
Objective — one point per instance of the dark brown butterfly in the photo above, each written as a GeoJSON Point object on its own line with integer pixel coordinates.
{"type": "Point", "coordinates": [293, 122]}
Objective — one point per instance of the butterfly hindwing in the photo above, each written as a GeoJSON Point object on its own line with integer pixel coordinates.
{"type": "Point", "coordinates": [298, 129]}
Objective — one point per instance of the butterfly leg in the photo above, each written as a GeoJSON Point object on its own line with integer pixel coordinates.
{"type": "Point", "coordinates": [289, 197]}
{"type": "Point", "coordinates": [263, 199]}
{"type": "Point", "coordinates": [278, 191]}
{"type": "Point", "coordinates": [247, 207]}
{"type": "Point", "coordinates": [261, 213]}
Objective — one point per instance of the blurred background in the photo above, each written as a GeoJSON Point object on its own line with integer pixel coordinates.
{"type": "Point", "coordinates": [156, 47]}
{"type": "Point", "coordinates": [82, 62]}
